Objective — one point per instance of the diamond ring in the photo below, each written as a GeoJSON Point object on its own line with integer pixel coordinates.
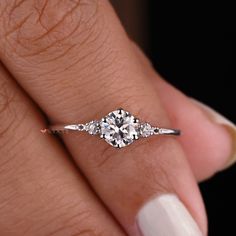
{"type": "Point", "coordinates": [119, 128]}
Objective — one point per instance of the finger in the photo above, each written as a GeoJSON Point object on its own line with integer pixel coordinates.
{"type": "Point", "coordinates": [78, 65]}
{"type": "Point", "coordinates": [209, 139]}
{"type": "Point", "coordinates": [41, 192]}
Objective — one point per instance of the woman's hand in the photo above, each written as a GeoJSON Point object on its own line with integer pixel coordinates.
{"type": "Point", "coordinates": [71, 61]}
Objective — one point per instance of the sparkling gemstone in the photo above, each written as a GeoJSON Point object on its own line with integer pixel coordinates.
{"type": "Point", "coordinates": [146, 130]}
{"type": "Point", "coordinates": [156, 131]}
{"type": "Point", "coordinates": [119, 128]}
{"type": "Point", "coordinates": [80, 127]}
{"type": "Point", "coordinates": [93, 127]}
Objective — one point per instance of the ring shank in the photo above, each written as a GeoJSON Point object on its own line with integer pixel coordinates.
{"type": "Point", "coordinates": [164, 131]}
{"type": "Point", "coordinates": [63, 127]}
{"type": "Point", "coordinates": [74, 127]}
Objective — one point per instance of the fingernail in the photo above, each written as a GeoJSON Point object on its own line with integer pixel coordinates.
{"type": "Point", "coordinates": [166, 215]}
{"type": "Point", "coordinates": [230, 126]}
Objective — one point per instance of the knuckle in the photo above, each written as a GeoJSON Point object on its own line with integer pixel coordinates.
{"type": "Point", "coordinates": [41, 27]}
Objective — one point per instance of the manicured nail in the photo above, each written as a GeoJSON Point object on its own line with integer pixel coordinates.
{"type": "Point", "coordinates": [219, 119]}
{"type": "Point", "coordinates": [166, 215]}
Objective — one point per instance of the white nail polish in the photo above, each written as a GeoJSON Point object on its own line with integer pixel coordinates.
{"type": "Point", "coordinates": [166, 215]}
{"type": "Point", "coordinates": [219, 119]}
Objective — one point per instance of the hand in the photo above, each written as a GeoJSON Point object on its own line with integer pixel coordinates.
{"type": "Point", "coordinates": [71, 61]}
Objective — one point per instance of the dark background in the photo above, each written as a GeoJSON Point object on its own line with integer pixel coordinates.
{"type": "Point", "coordinates": [193, 47]}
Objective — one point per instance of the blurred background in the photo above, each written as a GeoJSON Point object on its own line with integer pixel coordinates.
{"type": "Point", "coordinates": [192, 45]}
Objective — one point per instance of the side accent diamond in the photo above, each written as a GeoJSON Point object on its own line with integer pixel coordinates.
{"type": "Point", "coordinates": [93, 127]}
{"type": "Point", "coordinates": [146, 130]}
{"type": "Point", "coordinates": [81, 127]}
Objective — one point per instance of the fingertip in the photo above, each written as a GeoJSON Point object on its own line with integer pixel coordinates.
{"type": "Point", "coordinates": [228, 126]}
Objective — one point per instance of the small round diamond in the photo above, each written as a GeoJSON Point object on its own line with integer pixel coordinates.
{"type": "Point", "coordinates": [119, 128]}
{"type": "Point", "coordinates": [146, 130]}
{"type": "Point", "coordinates": [156, 131]}
{"type": "Point", "coordinates": [80, 127]}
{"type": "Point", "coordinates": [93, 127]}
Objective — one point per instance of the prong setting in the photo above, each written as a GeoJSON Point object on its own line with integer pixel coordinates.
{"type": "Point", "coordinates": [119, 128]}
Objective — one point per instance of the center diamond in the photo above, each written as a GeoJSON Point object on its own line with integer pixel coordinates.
{"type": "Point", "coordinates": [119, 128]}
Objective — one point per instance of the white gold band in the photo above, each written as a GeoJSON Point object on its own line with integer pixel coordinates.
{"type": "Point", "coordinates": [83, 127]}
{"type": "Point", "coordinates": [119, 128]}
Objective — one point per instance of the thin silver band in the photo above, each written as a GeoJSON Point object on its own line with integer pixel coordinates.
{"type": "Point", "coordinates": [119, 128]}
{"type": "Point", "coordinates": [82, 127]}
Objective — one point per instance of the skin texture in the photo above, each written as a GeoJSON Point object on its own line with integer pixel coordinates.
{"type": "Point", "coordinates": [75, 62]}
{"type": "Point", "coordinates": [42, 193]}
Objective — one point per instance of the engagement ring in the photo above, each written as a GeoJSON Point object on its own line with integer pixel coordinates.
{"type": "Point", "coordinates": [119, 128]}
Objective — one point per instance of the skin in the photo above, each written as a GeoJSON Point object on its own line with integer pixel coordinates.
{"type": "Point", "coordinates": [68, 61]}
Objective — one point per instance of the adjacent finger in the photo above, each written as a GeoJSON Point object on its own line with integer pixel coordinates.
{"type": "Point", "coordinates": [76, 62]}
{"type": "Point", "coordinates": [209, 139]}
{"type": "Point", "coordinates": [41, 192]}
